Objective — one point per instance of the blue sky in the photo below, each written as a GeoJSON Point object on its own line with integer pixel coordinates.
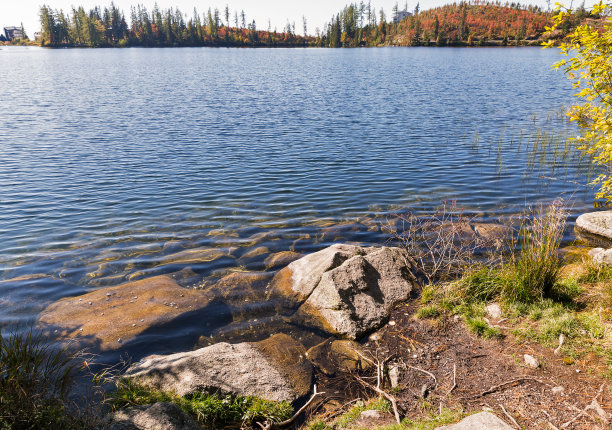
{"type": "Point", "coordinates": [317, 12]}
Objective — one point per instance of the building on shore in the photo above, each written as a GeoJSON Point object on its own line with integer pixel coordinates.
{"type": "Point", "coordinates": [13, 33]}
{"type": "Point", "coordinates": [401, 15]}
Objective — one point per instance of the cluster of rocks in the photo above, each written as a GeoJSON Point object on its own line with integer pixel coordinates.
{"type": "Point", "coordinates": [596, 228]}
{"type": "Point", "coordinates": [346, 291]}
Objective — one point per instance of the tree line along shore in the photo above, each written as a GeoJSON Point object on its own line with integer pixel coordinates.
{"type": "Point", "coordinates": [476, 23]}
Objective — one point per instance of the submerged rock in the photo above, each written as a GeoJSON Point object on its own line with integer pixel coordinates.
{"type": "Point", "coordinates": [281, 259]}
{"type": "Point", "coordinates": [357, 297]}
{"type": "Point", "coordinates": [335, 355]}
{"type": "Point", "coordinates": [198, 255]}
{"type": "Point", "coordinates": [109, 317]}
{"type": "Point", "coordinates": [244, 292]}
{"type": "Point", "coordinates": [595, 227]}
{"type": "Point", "coordinates": [479, 421]}
{"type": "Point", "coordinates": [160, 416]}
{"type": "Point", "coordinates": [275, 369]}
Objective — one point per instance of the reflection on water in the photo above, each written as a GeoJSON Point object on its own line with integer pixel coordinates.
{"type": "Point", "coordinates": [117, 165]}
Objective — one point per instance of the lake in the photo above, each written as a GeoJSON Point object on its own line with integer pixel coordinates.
{"type": "Point", "coordinates": [114, 161]}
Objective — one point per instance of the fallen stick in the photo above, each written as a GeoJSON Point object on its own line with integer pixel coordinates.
{"type": "Point", "coordinates": [495, 388]}
{"type": "Point", "coordinates": [384, 394]}
{"type": "Point", "coordinates": [272, 426]}
{"type": "Point", "coordinates": [454, 379]}
{"type": "Point", "coordinates": [426, 372]}
{"type": "Point", "coordinates": [510, 417]}
{"type": "Point", "coordinates": [593, 405]}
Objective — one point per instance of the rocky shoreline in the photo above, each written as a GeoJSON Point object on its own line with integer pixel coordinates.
{"type": "Point", "coordinates": [343, 292]}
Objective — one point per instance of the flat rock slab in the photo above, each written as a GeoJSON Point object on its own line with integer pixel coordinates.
{"type": "Point", "coordinates": [109, 317]}
{"type": "Point", "coordinates": [479, 421]}
{"type": "Point", "coordinates": [596, 227]}
{"type": "Point", "coordinates": [160, 416]}
{"type": "Point", "coordinates": [275, 369]}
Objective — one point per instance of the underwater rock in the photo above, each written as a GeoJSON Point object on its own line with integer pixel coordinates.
{"type": "Point", "coordinates": [198, 255]}
{"type": "Point", "coordinates": [109, 317]}
{"type": "Point", "coordinates": [281, 259]}
{"type": "Point", "coordinates": [335, 355]}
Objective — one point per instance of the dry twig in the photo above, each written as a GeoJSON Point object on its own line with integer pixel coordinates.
{"type": "Point", "coordinates": [272, 426]}
{"type": "Point", "coordinates": [510, 416]}
{"type": "Point", "coordinates": [454, 380]}
{"type": "Point", "coordinates": [594, 405]}
{"type": "Point", "coordinates": [503, 384]}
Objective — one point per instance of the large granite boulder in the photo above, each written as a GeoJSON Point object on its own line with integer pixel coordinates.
{"type": "Point", "coordinates": [596, 227]}
{"type": "Point", "coordinates": [479, 421]}
{"type": "Point", "coordinates": [160, 416]}
{"type": "Point", "coordinates": [294, 284]}
{"type": "Point", "coordinates": [356, 297]}
{"type": "Point", "coordinates": [275, 369]}
{"type": "Point", "coordinates": [108, 318]}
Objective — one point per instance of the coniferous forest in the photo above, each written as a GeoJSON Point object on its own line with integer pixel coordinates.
{"type": "Point", "coordinates": [476, 23]}
{"type": "Point", "coordinates": [108, 27]}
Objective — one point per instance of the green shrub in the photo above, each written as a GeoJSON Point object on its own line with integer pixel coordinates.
{"type": "Point", "coordinates": [534, 272]}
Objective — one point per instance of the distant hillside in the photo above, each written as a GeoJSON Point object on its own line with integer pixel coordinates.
{"type": "Point", "coordinates": [474, 23]}
{"type": "Point", "coordinates": [471, 23]}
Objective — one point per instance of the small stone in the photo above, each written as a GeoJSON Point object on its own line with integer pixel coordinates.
{"type": "Point", "coordinates": [375, 337]}
{"type": "Point", "coordinates": [391, 323]}
{"type": "Point", "coordinates": [119, 340]}
{"type": "Point", "coordinates": [90, 303]}
{"type": "Point", "coordinates": [102, 314]}
{"type": "Point", "coordinates": [394, 375]}
{"type": "Point", "coordinates": [494, 310]}
{"type": "Point", "coordinates": [372, 414]}
{"type": "Point", "coordinates": [80, 329]}
{"type": "Point", "coordinates": [80, 300]}
{"type": "Point", "coordinates": [558, 390]}
{"type": "Point", "coordinates": [142, 320]}
{"type": "Point", "coordinates": [531, 361]}
{"type": "Point", "coordinates": [424, 391]}
{"type": "Point", "coordinates": [133, 325]}
{"type": "Point", "coordinates": [108, 294]}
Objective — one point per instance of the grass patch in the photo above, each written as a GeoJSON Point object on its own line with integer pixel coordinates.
{"type": "Point", "coordinates": [430, 311]}
{"type": "Point", "coordinates": [593, 272]}
{"type": "Point", "coordinates": [209, 409]}
{"type": "Point", "coordinates": [480, 327]}
{"type": "Point", "coordinates": [35, 382]}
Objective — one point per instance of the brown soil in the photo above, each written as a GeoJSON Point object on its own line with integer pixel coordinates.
{"type": "Point", "coordinates": [485, 371]}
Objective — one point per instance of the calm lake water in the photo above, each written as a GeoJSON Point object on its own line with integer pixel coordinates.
{"type": "Point", "coordinates": [114, 161]}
